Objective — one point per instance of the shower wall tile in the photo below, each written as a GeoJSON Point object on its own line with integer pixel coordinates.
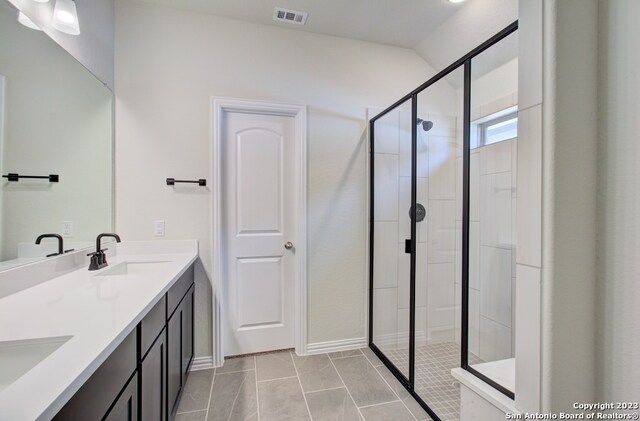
{"type": "Point", "coordinates": [474, 257]}
{"type": "Point", "coordinates": [440, 296]}
{"type": "Point", "coordinates": [385, 316]}
{"type": "Point", "coordinates": [494, 340]}
{"type": "Point", "coordinates": [474, 254]}
{"type": "Point", "coordinates": [495, 158]}
{"type": "Point", "coordinates": [459, 176]}
{"type": "Point", "coordinates": [385, 255]}
{"type": "Point", "coordinates": [514, 167]}
{"type": "Point", "coordinates": [457, 313]}
{"type": "Point", "coordinates": [403, 326]}
{"type": "Point", "coordinates": [474, 321]}
{"type": "Point", "coordinates": [443, 125]}
{"type": "Point", "coordinates": [403, 277]}
{"type": "Point", "coordinates": [404, 203]}
{"type": "Point", "coordinates": [474, 186]}
{"type": "Point", "coordinates": [442, 168]}
{"type": "Point", "coordinates": [495, 284]}
{"type": "Point", "coordinates": [386, 187]}
{"type": "Point", "coordinates": [386, 134]}
{"type": "Point", "coordinates": [422, 168]}
{"type": "Point", "coordinates": [422, 274]}
{"type": "Point", "coordinates": [442, 231]}
{"type": "Point", "coordinates": [528, 343]}
{"type": "Point", "coordinates": [497, 105]}
{"type": "Point", "coordinates": [495, 210]}
{"type": "Point", "coordinates": [530, 186]}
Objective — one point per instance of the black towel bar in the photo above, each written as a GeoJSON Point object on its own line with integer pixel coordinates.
{"type": "Point", "coordinates": [53, 178]}
{"type": "Point", "coordinates": [173, 181]}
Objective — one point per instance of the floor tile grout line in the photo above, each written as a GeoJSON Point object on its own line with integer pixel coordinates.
{"type": "Point", "coordinates": [345, 356]}
{"type": "Point", "coordinates": [238, 371]}
{"type": "Point", "coordinates": [395, 393]}
{"type": "Point", "coordinates": [190, 412]}
{"type": "Point", "coordinates": [301, 389]}
{"type": "Point", "coordinates": [255, 362]}
{"type": "Point", "coordinates": [273, 380]}
{"type": "Point", "coordinates": [324, 390]}
{"type": "Point", "coordinates": [233, 405]}
{"type": "Point", "coordinates": [213, 380]}
{"type": "Point", "coordinates": [346, 388]}
{"type": "Point", "coordinates": [379, 404]}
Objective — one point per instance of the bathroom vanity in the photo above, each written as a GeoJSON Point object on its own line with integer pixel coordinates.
{"type": "Point", "coordinates": [113, 344]}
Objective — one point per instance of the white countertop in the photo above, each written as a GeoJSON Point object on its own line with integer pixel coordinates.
{"type": "Point", "coordinates": [98, 312]}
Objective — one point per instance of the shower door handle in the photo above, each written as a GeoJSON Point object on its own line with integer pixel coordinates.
{"type": "Point", "coordinates": [407, 246]}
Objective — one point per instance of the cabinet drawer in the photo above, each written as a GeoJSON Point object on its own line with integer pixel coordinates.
{"type": "Point", "coordinates": [151, 326]}
{"type": "Point", "coordinates": [178, 290]}
{"type": "Point", "coordinates": [95, 397]}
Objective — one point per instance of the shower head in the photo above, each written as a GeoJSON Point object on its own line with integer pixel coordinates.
{"type": "Point", "coordinates": [426, 124]}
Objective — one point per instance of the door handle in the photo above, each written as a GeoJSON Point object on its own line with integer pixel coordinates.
{"type": "Point", "coordinates": [288, 245]}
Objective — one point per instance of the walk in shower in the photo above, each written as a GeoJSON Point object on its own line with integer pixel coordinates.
{"type": "Point", "coordinates": [442, 216]}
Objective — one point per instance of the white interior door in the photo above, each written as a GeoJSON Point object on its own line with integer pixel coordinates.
{"type": "Point", "coordinates": [259, 220]}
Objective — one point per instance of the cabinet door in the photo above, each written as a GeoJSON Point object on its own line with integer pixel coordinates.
{"type": "Point", "coordinates": [187, 331]}
{"type": "Point", "coordinates": [174, 359]}
{"type": "Point", "coordinates": [153, 383]}
{"type": "Point", "coordinates": [126, 407]}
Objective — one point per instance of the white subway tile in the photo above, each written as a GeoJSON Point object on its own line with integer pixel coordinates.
{"type": "Point", "coordinates": [495, 284]}
{"type": "Point", "coordinates": [529, 212]}
{"type": "Point", "coordinates": [386, 133]}
{"type": "Point", "coordinates": [385, 254]}
{"type": "Point", "coordinates": [495, 210]}
{"type": "Point", "coordinates": [386, 187]}
{"type": "Point", "coordinates": [528, 339]}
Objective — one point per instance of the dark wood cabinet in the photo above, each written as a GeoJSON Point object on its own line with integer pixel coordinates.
{"type": "Point", "coordinates": [144, 376]}
{"type": "Point", "coordinates": [187, 331]}
{"type": "Point", "coordinates": [125, 407]}
{"type": "Point", "coordinates": [153, 380]}
{"type": "Point", "coordinates": [180, 349]}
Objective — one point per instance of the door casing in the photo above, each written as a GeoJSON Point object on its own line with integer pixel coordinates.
{"type": "Point", "coordinates": [220, 106]}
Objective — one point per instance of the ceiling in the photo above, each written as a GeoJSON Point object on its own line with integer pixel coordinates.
{"type": "Point", "coordinates": [403, 23]}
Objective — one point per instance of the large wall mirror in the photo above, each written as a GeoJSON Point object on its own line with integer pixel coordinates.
{"type": "Point", "coordinates": [56, 118]}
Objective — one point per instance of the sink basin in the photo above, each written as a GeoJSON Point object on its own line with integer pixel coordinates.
{"type": "Point", "coordinates": [18, 357]}
{"type": "Point", "coordinates": [132, 268]}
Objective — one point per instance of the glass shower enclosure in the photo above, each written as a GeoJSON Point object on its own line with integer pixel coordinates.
{"type": "Point", "coordinates": [424, 201]}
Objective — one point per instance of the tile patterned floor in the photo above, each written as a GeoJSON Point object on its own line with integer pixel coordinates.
{"type": "Point", "coordinates": [280, 386]}
{"type": "Point", "coordinates": [434, 382]}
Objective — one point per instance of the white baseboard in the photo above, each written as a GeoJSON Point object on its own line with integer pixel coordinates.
{"type": "Point", "coordinates": [335, 346]}
{"type": "Point", "coordinates": [202, 363]}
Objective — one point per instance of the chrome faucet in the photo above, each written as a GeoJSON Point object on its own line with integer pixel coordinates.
{"type": "Point", "coordinates": [60, 243]}
{"type": "Point", "coordinates": [98, 258]}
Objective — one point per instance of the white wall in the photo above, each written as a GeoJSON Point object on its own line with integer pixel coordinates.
{"type": "Point", "coordinates": [476, 21]}
{"type": "Point", "coordinates": [57, 120]}
{"type": "Point", "coordinates": [618, 291]}
{"type": "Point", "coordinates": [168, 65]}
{"type": "Point", "coordinates": [94, 47]}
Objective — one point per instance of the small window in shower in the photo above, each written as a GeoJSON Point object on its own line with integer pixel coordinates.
{"type": "Point", "coordinates": [498, 127]}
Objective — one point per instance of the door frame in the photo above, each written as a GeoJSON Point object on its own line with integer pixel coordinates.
{"type": "Point", "coordinates": [220, 106]}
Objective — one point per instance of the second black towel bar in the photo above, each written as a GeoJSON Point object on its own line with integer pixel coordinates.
{"type": "Point", "coordinates": [173, 181]}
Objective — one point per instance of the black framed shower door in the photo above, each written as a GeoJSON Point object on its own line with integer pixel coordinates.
{"type": "Point", "coordinates": [407, 106]}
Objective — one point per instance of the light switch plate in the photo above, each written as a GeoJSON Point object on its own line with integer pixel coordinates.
{"type": "Point", "coordinates": [158, 228]}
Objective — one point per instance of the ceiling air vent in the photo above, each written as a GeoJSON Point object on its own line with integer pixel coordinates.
{"type": "Point", "coordinates": [291, 16]}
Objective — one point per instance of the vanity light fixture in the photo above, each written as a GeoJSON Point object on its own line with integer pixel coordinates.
{"type": "Point", "coordinates": [65, 17]}
{"type": "Point", "coordinates": [456, 1]}
{"type": "Point", "coordinates": [24, 19]}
